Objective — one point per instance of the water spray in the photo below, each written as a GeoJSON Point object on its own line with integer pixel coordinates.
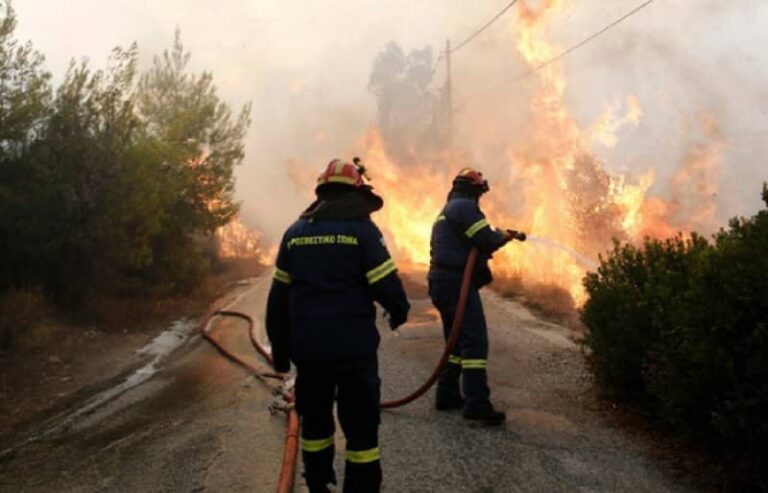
{"type": "Point", "coordinates": [580, 257]}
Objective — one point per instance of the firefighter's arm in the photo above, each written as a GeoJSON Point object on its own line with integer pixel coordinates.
{"type": "Point", "coordinates": [474, 226]}
{"type": "Point", "coordinates": [381, 275]}
{"type": "Point", "coordinates": [278, 313]}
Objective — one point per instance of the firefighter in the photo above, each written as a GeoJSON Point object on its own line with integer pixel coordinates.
{"type": "Point", "coordinates": [331, 266]}
{"type": "Point", "coordinates": [460, 226]}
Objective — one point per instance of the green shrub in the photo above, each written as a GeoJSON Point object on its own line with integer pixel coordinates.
{"type": "Point", "coordinates": [629, 300]}
{"type": "Point", "coordinates": [111, 184]}
{"type": "Point", "coordinates": [681, 327]}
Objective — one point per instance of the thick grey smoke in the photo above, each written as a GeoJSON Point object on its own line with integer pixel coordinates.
{"type": "Point", "coordinates": [306, 66]}
{"type": "Point", "coordinates": [407, 112]}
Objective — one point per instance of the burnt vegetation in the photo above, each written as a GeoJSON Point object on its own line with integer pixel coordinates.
{"type": "Point", "coordinates": [679, 329]}
{"type": "Point", "coordinates": [111, 184]}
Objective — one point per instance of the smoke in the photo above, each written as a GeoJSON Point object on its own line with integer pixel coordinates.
{"type": "Point", "coordinates": [679, 62]}
{"type": "Point", "coordinates": [320, 73]}
{"type": "Point", "coordinates": [695, 185]}
{"type": "Point", "coordinates": [684, 62]}
{"type": "Point", "coordinates": [407, 113]}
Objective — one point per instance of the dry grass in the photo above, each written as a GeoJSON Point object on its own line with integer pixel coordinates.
{"type": "Point", "coordinates": [550, 302]}
{"type": "Point", "coordinates": [29, 322]}
{"type": "Point", "coordinates": [124, 313]}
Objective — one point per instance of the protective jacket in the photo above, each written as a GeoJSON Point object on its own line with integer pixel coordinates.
{"type": "Point", "coordinates": [331, 266]}
{"type": "Point", "coordinates": [460, 226]}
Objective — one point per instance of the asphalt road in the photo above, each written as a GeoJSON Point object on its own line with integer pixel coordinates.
{"type": "Point", "coordinates": [201, 424]}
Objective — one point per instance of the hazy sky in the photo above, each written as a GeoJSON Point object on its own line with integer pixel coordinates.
{"type": "Point", "coordinates": [305, 66]}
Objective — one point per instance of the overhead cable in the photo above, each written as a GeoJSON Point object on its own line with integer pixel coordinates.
{"type": "Point", "coordinates": [483, 28]}
{"type": "Point", "coordinates": [571, 49]}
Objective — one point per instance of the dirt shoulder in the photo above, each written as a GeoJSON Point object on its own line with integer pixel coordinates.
{"type": "Point", "coordinates": [65, 360]}
{"type": "Point", "coordinates": [548, 313]}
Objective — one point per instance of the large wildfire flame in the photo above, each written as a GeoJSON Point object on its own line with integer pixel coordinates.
{"type": "Point", "coordinates": [568, 199]}
{"type": "Point", "coordinates": [551, 185]}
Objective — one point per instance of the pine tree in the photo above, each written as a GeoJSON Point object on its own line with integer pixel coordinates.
{"type": "Point", "coordinates": [25, 90]}
{"type": "Point", "coordinates": [25, 95]}
{"type": "Point", "coordinates": [200, 139]}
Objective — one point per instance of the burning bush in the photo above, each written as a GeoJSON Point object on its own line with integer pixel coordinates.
{"type": "Point", "coordinates": [235, 240]}
{"type": "Point", "coordinates": [681, 327]}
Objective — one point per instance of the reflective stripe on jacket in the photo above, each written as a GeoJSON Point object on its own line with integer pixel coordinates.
{"type": "Point", "coordinates": [461, 225]}
{"type": "Point", "coordinates": [327, 276]}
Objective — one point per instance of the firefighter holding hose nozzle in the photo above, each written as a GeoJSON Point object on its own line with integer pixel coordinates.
{"type": "Point", "coordinates": [461, 226]}
{"type": "Point", "coordinates": [331, 266]}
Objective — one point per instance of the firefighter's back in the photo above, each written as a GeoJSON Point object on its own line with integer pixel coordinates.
{"type": "Point", "coordinates": [332, 311]}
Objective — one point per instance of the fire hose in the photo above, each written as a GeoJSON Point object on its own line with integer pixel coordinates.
{"type": "Point", "coordinates": [285, 392]}
{"type": "Point", "coordinates": [290, 449]}
{"type": "Point", "coordinates": [453, 336]}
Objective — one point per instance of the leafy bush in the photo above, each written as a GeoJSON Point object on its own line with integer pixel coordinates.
{"type": "Point", "coordinates": [113, 183]}
{"type": "Point", "coordinates": [681, 327]}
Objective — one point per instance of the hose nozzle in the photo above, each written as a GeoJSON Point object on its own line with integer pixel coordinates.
{"type": "Point", "coordinates": [516, 235]}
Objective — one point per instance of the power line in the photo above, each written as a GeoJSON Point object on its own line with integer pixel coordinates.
{"type": "Point", "coordinates": [571, 49]}
{"type": "Point", "coordinates": [483, 28]}
{"type": "Point", "coordinates": [443, 54]}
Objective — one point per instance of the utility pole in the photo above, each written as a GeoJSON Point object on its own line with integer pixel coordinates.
{"type": "Point", "coordinates": [449, 98]}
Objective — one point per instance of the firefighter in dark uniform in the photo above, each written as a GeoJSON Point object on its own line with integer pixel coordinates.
{"type": "Point", "coordinates": [331, 267]}
{"type": "Point", "coordinates": [460, 226]}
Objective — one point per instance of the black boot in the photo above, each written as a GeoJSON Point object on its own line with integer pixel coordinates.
{"type": "Point", "coordinates": [319, 489]}
{"type": "Point", "coordinates": [448, 403]}
{"type": "Point", "coordinates": [478, 407]}
{"type": "Point", "coordinates": [318, 470]}
{"type": "Point", "coordinates": [487, 416]}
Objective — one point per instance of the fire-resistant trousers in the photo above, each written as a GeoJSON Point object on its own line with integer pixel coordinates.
{"type": "Point", "coordinates": [470, 355]}
{"type": "Point", "coordinates": [354, 383]}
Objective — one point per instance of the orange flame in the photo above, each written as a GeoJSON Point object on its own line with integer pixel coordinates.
{"type": "Point", "coordinates": [235, 240]}
{"type": "Point", "coordinates": [557, 190]}
{"type": "Point", "coordinates": [413, 201]}
{"type": "Point", "coordinates": [552, 185]}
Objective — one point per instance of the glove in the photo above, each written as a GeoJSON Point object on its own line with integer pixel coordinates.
{"type": "Point", "coordinates": [515, 235]}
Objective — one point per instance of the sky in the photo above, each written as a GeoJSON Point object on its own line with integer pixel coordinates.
{"type": "Point", "coordinates": [304, 65]}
